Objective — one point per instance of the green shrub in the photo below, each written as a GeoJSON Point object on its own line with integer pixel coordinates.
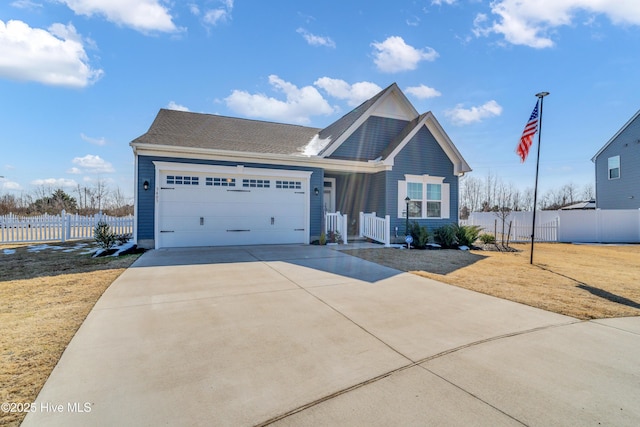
{"type": "Point", "coordinates": [446, 236]}
{"type": "Point", "coordinates": [467, 234]}
{"type": "Point", "coordinates": [105, 238]}
{"type": "Point", "coordinates": [487, 238]}
{"type": "Point", "coordinates": [420, 235]}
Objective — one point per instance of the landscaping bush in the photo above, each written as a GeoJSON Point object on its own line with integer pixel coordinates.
{"type": "Point", "coordinates": [105, 238]}
{"type": "Point", "coordinates": [487, 239]}
{"type": "Point", "coordinates": [467, 234]}
{"type": "Point", "coordinates": [446, 236]}
{"type": "Point", "coordinates": [420, 235]}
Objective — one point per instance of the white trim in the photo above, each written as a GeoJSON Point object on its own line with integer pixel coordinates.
{"type": "Point", "coordinates": [235, 170]}
{"type": "Point", "coordinates": [331, 165]}
{"type": "Point", "coordinates": [160, 167]}
{"type": "Point", "coordinates": [135, 199]}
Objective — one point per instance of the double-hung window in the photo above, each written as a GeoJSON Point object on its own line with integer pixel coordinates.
{"type": "Point", "coordinates": [414, 192]}
{"type": "Point", "coordinates": [614, 167]}
{"type": "Point", "coordinates": [434, 200]}
{"type": "Point", "coordinates": [428, 197]}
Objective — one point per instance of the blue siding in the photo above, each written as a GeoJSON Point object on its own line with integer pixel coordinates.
{"type": "Point", "coordinates": [422, 155]}
{"type": "Point", "coordinates": [370, 139]}
{"type": "Point", "coordinates": [622, 193]}
{"type": "Point", "coordinates": [146, 202]}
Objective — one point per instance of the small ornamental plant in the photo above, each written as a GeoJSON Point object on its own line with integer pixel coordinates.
{"type": "Point", "coordinates": [105, 238]}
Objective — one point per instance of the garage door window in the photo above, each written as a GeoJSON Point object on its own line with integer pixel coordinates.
{"type": "Point", "coordinates": [182, 180]}
{"type": "Point", "coordinates": [294, 185]}
{"type": "Point", "coordinates": [220, 182]}
{"type": "Point", "coordinates": [256, 183]}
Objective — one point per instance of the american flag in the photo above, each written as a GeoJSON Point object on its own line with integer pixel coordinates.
{"type": "Point", "coordinates": [527, 135]}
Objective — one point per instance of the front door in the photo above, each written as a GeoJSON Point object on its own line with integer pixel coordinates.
{"type": "Point", "coordinates": [329, 195]}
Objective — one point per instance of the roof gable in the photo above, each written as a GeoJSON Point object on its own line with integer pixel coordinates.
{"type": "Point", "coordinates": [622, 129]}
{"type": "Point", "coordinates": [428, 120]}
{"type": "Point", "coordinates": [390, 102]}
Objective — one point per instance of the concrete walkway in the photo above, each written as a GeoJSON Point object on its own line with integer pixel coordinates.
{"type": "Point", "coordinates": [306, 335]}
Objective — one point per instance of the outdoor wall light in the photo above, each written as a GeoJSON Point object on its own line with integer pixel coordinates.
{"type": "Point", "coordinates": [145, 185]}
{"type": "Point", "coordinates": [316, 191]}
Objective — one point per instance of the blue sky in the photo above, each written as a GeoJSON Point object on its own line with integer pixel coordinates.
{"type": "Point", "coordinates": [80, 79]}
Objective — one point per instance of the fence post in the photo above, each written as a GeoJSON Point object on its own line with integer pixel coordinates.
{"type": "Point", "coordinates": [345, 230]}
{"type": "Point", "coordinates": [361, 225]}
{"type": "Point", "coordinates": [63, 225]}
{"type": "Point", "coordinates": [387, 231]}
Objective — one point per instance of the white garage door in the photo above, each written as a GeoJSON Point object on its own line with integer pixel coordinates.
{"type": "Point", "coordinates": [231, 206]}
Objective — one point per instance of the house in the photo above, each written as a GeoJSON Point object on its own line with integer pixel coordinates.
{"type": "Point", "coordinates": [208, 180]}
{"type": "Point", "coordinates": [618, 169]}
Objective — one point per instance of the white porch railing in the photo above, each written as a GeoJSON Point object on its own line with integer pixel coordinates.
{"type": "Point", "coordinates": [374, 228]}
{"type": "Point", "coordinates": [336, 223]}
{"type": "Point", "coordinates": [60, 228]}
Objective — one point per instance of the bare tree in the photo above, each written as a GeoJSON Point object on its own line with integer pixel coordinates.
{"type": "Point", "coordinates": [588, 193]}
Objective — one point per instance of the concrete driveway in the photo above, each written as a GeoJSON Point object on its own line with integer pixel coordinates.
{"type": "Point", "coordinates": [306, 335]}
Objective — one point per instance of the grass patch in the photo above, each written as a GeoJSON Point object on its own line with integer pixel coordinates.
{"type": "Point", "coordinates": [582, 281]}
{"type": "Point", "coordinates": [45, 296]}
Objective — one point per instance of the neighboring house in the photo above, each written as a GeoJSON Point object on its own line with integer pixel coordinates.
{"type": "Point", "coordinates": [618, 169]}
{"type": "Point", "coordinates": [208, 180]}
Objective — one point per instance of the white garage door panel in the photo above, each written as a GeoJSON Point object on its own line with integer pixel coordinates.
{"type": "Point", "coordinates": [214, 215]}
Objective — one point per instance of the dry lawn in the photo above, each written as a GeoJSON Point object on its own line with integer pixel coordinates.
{"type": "Point", "coordinates": [44, 298]}
{"type": "Point", "coordinates": [581, 281]}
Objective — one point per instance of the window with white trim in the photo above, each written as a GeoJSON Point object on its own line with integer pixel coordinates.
{"type": "Point", "coordinates": [614, 167]}
{"type": "Point", "coordinates": [428, 197]}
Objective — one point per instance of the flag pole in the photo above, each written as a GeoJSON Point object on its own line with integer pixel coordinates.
{"type": "Point", "coordinates": [540, 96]}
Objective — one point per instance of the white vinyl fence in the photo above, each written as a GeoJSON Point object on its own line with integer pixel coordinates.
{"type": "Point", "coordinates": [336, 223]}
{"type": "Point", "coordinates": [61, 227]}
{"type": "Point", "coordinates": [374, 228]}
{"type": "Point", "coordinates": [594, 226]}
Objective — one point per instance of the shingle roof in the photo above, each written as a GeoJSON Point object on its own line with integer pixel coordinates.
{"type": "Point", "coordinates": [195, 130]}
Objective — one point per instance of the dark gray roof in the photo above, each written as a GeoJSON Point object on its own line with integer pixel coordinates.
{"type": "Point", "coordinates": [195, 130]}
{"type": "Point", "coordinates": [337, 128]}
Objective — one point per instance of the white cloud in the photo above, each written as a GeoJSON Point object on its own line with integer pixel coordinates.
{"type": "Point", "coordinates": [9, 185]}
{"type": "Point", "coordinates": [55, 57]}
{"type": "Point", "coordinates": [355, 94]}
{"type": "Point", "coordinates": [26, 4]}
{"type": "Point", "coordinates": [175, 106]}
{"type": "Point", "coordinates": [141, 15]}
{"type": "Point", "coordinates": [441, 2]}
{"type": "Point", "coordinates": [95, 141]}
{"type": "Point", "coordinates": [530, 22]}
{"type": "Point", "coordinates": [218, 15]}
{"type": "Point", "coordinates": [92, 164]}
{"type": "Point", "coordinates": [314, 40]}
{"type": "Point", "coordinates": [394, 55]}
{"type": "Point", "coordinates": [299, 106]}
{"type": "Point", "coordinates": [422, 92]}
{"type": "Point", "coordinates": [55, 182]}
{"type": "Point", "coordinates": [465, 116]}
{"type": "Point", "coordinates": [74, 171]}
